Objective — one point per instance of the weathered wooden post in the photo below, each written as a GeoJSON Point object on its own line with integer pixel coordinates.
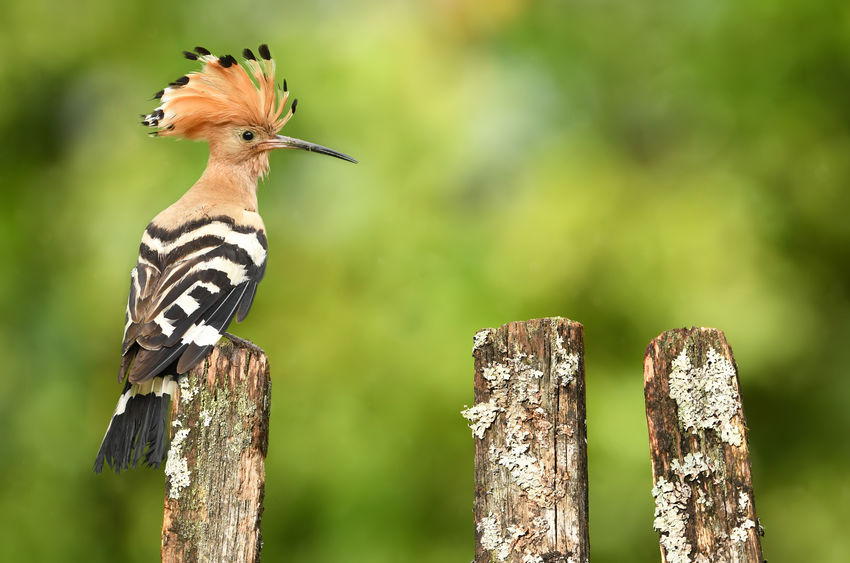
{"type": "Point", "coordinates": [704, 506]}
{"type": "Point", "coordinates": [529, 426]}
{"type": "Point", "coordinates": [215, 473]}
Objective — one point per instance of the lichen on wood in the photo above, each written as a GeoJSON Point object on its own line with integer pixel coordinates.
{"type": "Point", "coordinates": [528, 423]}
{"type": "Point", "coordinates": [215, 473]}
{"type": "Point", "coordinates": [704, 505]}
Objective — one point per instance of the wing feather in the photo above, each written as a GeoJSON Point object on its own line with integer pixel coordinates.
{"type": "Point", "coordinates": [246, 302]}
{"type": "Point", "coordinates": [179, 306]}
{"type": "Point", "coordinates": [207, 333]}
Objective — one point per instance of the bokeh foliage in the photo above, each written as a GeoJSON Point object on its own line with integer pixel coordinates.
{"type": "Point", "coordinates": [635, 166]}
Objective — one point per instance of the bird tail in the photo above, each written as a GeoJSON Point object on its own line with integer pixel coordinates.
{"type": "Point", "coordinates": [138, 426]}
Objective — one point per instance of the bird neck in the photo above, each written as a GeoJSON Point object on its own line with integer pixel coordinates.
{"type": "Point", "coordinates": [228, 182]}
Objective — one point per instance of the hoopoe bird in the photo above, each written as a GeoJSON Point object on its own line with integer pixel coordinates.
{"type": "Point", "coordinates": [200, 259]}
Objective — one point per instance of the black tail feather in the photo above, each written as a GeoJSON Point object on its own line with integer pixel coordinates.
{"type": "Point", "coordinates": [141, 428]}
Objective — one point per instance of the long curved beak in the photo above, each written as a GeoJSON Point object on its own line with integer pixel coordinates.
{"type": "Point", "coordinates": [281, 142]}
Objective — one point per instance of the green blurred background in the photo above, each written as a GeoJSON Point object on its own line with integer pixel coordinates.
{"type": "Point", "coordinates": [635, 168]}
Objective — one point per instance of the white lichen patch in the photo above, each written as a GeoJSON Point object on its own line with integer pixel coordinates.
{"type": "Point", "coordinates": [492, 539]}
{"type": "Point", "coordinates": [480, 338]}
{"type": "Point", "coordinates": [532, 559]}
{"type": "Point", "coordinates": [513, 377]}
{"type": "Point", "coordinates": [496, 374]}
{"type": "Point", "coordinates": [564, 362]}
{"type": "Point", "coordinates": [186, 391]}
{"type": "Point", "coordinates": [523, 393]}
{"type": "Point", "coordinates": [739, 534]}
{"type": "Point", "coordinates": [516, 531]}
{"type": "Point", "coordinates": [481, 416]}
{"type": "Point", "coordinates": [671, 501]}
{"type": "Point", "coordinates": [743, 501]}
{"type": "Point", "coordinates": [524, 469]}
{"type": "Point", "coordinates": [176, 469]}
{"type": "Point", "coordinates": [705, 395]}
{"type": "Point", "coordinates": [692, 466]}
{"type": "Point", "coordinates": [206, 417]}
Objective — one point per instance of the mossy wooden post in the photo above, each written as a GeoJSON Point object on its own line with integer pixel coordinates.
{"type": "Point", "coordinates": [704, 505]}
{"type": "Point", "coordinates": [529, 427]}
{"type": "Point", "coordinates": [215, 473]}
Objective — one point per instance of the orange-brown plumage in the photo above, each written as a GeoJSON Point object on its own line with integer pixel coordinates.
{"type": "Point", "coordinates": [222, 92]}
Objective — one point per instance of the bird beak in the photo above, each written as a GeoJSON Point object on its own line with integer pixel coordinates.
{"type": "Point", "coordinates": [281, 142]}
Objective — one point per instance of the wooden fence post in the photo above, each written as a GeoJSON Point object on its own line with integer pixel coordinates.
{"type": "Point", "coordinates": [530, 433]}
{"type": "Point", "coordinates": [704, 505]}
{"type": "Point", "coordinates": [215, 473]}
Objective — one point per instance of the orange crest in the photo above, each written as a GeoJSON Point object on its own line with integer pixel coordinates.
{"type": "Point", "coordinates": [223, 91]}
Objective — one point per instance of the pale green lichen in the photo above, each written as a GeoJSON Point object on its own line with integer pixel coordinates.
{"type": "Point", "coordinates": [496, 373]}
{"type": "Point", "coordinates": [743, 501]}
{"type": "Point", "coordinates": [525, 469]}
{"type": "Point", "coordinates": [491, 537]}
{"type": "Point", "coordinates": [705, 396]}
{"type": "Point", "coordinates": [481, 416]}
{"type": "Point", "coordinates": [525, 379]}
{"type": "Point", "coordinates": [176, 468]}
{"type": "Point", "coordinates": [480, 338]}
{"type": "Point", "coordinates": [514, 386]}
{"type": "Point", "coordinates": [739, 534]}
{"type": "Point", "coordinates": [692, 466]}
{"type": "Point", "coordinates": [564, 362]}
{"type": "Point", "coordinates": [187, 390]}
{"type": "Point", "coordinates": [671, 518]}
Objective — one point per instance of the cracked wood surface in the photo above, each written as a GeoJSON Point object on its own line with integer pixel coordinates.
{"type": "Point", "coordinates": [530, 433]}
{"type": "Point", "coordinates": [215, 474]}
{"type": "Point", "coordinates": [705, 509]}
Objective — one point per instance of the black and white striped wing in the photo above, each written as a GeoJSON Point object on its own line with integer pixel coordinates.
{"type": "Point", "coordinates": [185, 291]}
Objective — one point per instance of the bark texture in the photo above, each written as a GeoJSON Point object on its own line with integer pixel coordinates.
{"type": "Point", "coordinates": [529, 427]}
{"type": "Point", "coordinates": [215, 473]}
{"type": "Point", "coordinates": [704, 505]}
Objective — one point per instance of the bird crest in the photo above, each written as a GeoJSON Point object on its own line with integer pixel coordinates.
{"type": "Point", "coordinates": [223, 91]}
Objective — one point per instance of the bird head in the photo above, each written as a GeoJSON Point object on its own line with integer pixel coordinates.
{"type": "Point", "coordinates": [237, 108]}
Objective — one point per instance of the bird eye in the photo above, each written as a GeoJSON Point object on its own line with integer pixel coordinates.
{"type": "Point", "coordinates": [247, 135]}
